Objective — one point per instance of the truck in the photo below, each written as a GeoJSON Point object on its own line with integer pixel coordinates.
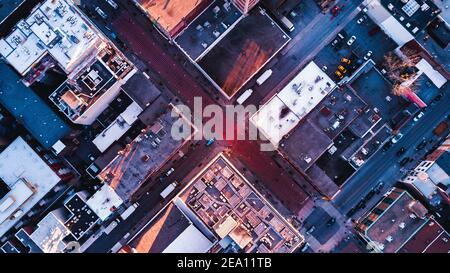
{"type": "Point", "coordinates": [264, 76]}
{"type": "Point", "coordinates": [242, 98]}
{"type": "Point", "coordinates": [287, 23]}
{"type": "Point", "coordinates": [168, 190]}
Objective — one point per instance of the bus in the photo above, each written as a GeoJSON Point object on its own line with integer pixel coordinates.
{"type": "Point", "coordinates": [287, 23]}
{"type": "Point", "coordinates": [242, 98]}
{"type": "Point", "coordinates": [264, 76]}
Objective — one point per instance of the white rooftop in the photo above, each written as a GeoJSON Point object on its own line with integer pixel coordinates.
{"type": "Point", "coordinates": [50, 234]}
{"type": "Point", "coordinates": [18, 161]}
{"type": "Point", "coordinates": [118, 128]}
{"type": "Point", "coordinates": [191, 240]}
{"type": "Point", "coordinates": [104, 201]}
{"type": "Point", "coordinates": [55, 27]}
{"type": "Point", "coordinates": [425, 67]}
{"type": "Point", "coordinates": [296, 100]}
{"type": "Point", "coordinates": [388, 23]}
{"type": "Point", "coordinates": [306, 90]}
{"type": "Point", "coordinates": [268, 120]}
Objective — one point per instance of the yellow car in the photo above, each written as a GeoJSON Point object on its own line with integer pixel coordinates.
{"type": "Point", "coordinates": [339, 74]}
{"type": "Point", "coordinates": [345, 61]}
{"type": "Point", "coordinates": [342, 69]}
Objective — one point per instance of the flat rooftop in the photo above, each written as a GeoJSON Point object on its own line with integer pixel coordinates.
{"type": "Point", "coordinates": [172, 15]}
{"type": "Point", "coordinates": [414, 15]}
{"type": "Point", "coordinates": [104, 202]}
{"type": "Point", "coordinates": [393, 221]}
{"type": "Point", "coordinates": [54, 27]}
{"type": "Point", "coordinates": [243, 51]}
{"type": "Point", "coordinates": [306, 144]}
{"type": "Point", "coordinates": [30, 110]}
{"type": "Point", "coordinates": [50, 234]}
{"type": "Point", "coordinates": [302, 94]}
{"type": "Point", "coordinates": [141, 90]}
{"type": "Point", "coordinates": [20, 164]}
{"type": "Point", "coordinates": [208, 28]}
{"type": "Point", "coordinates": [89, 90]}
{"type": "Point", "coordinates": [274, 120]}
{"type": "Point", "coordinates": [236, 212]}
{"type": "Point", "coordinates": [140, 158]}
{"type": "Point", "coordinates": [431, 238]}
{"type": "Point", "coordinates": [167, 231]}
{"type": "Point", "coordinates": [8, 6]}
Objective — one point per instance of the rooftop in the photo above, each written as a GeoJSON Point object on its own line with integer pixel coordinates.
{"type": "Point", "coordinates": [243, 51]}
{"type": "Point", "coordinates": [306, 144]}
{"type": "Point", "coordinates": [8, 7]}
{"type": "Point", "coordinates": [84, 95]}
{"type": "Point", "coordinates": [54, 27]}
{"type": "Point", "coordinates": [49, 234]}
{"type": "Point", "coordinates": [282, 113]}
{"type": "Point", "coordinates": [30, 110]}
{"type": "Point", "coordinates": [104, 202]}
{"type": "Point", "coordinates": [148, 152]}
{"type": "Point", "coordinates": [414, 15]}
{"type": "Point", "coordinates": [236, 212]}
{"type": "Point", "coordinates": [274, 120]}
{"type": "Point", "coordinates": [141, 90]}
{"type": "Point", "coordinates": [28, 176]}
{"type": "Point", "coordinates": [171, 231]}
{"type": "Point", "coordinates": [431, 238]}
{"type": "Point", "coordinates": [393, 221]}
{"type": "Point", "coordinates": [80, 217]}
{"type": "Point", "coordinates": [172, 16]}
{"type": "Point", "coordinates": [208, 28]}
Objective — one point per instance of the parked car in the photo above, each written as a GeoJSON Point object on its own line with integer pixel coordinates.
{"type": "Point", "coordinates": [416, 118]}
{"type": "Point", "coordinates": [170, 171]}
{"type": "Point", "coordinates": [342, 69]}
{"type": "Point", "coordinates": [397, 138]}
{"type": "Point", "coordinates": [421, 145]}
{"type": "Point", "coordinates": [101, 13]}
{"type": "Point", "coordinates": [345, 61]}
{"type": "Point", "coordinates": [368, 55]}
{"type": "Point", "coordinates": [401, 151]}
{"type": "Point", "coordinates": [351, 40]}
{"type": "Point", "coordinates": [338, 74]}
{"type": "Point", "coordinates": [404, 161]}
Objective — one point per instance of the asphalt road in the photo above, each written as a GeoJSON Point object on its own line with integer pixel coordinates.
{"type": "Point", "coordinates": [383, 166]}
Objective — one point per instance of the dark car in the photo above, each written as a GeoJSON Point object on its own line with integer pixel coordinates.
{"type": "Point", "coordinates": [438, 97]}
{"type": "Point", "coordinates": [421, 145]}
{"type": "Point", "coordinates": [401, 151]}
{"type": "Point", "coordinates": [387, 146]}
{"type": "Point", "coordinates": [404, 161]}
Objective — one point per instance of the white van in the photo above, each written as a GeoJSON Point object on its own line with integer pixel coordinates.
{"type": "Point", "coordinates": [242, 98]}
{"type": "Point", "coordinates": [264, 76]}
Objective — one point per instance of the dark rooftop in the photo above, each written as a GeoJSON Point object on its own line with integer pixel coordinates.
{"type": "Point", "coordinates": [415, 15]}
{"type": "Point", "coordinates": [30, 110]}
{"type": "Point", "coordinates": [162, 231]}
{"type": "Point", "coordinates": [82, 219]}
{"type": "Point", "coordinates": [337, 111]}
{"type": "Point", "coordinates": [207, 28]}
{"type": "Point", "coordinates": [96, 78]}
{"type": "Point", "coordinates": [430, 238]}
{"type": "Point", "coordinates": [243, 51]}
{"type": "Point", "coordinates": [7, 7]}
{"type": "Point", "coordinates": [444, 162]}
{"type": "Point", "coordinates": [141, 90]}
{"type": "Point", "coordinates": [306, 144]}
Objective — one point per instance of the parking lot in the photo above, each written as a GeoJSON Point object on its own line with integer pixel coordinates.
{"type": "Point", "coordinates": [369, 42]}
